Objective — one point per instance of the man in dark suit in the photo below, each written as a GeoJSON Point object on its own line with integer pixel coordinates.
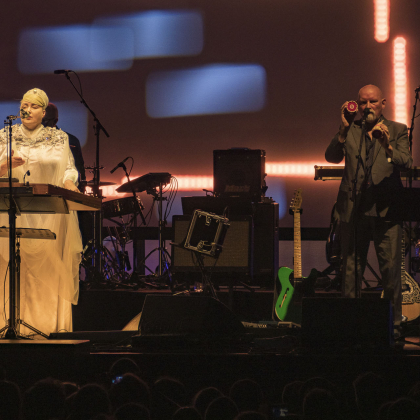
{"type": "Point", "coordinates": [376, 188]}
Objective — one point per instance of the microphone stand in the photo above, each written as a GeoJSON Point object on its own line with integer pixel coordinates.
{"type": "Point", "coordinates": [13, 327]}
{"type": "Point", "coordinates": [97, 229]}
{"type": "Point", "coordinates": [358, 292]}
{"type": "Point", "coordinates": [410, 176]}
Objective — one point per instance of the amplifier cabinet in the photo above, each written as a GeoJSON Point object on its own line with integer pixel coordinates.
{"type": "Point", "coordinates": [250, 250]}
{"type": "Point", "coordinates": [236, 254]}
{"type": "Point", "coordinates": [239, 173]}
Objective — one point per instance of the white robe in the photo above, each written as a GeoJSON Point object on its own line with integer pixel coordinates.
{"type": "Point", "coordinates": [49, 280]}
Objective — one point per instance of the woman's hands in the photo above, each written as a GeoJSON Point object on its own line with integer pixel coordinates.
{"type": "Point", "coordinates": [16, 161]}
{"type": "Point", "coordinates": [68, 184]}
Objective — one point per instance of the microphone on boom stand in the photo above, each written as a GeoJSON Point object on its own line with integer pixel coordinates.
{"type": "Point", "coordinates": [120, 165]}
{"type": "Point", "coordinates": [62, 71]}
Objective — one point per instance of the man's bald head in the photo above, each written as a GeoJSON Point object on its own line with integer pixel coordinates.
{"type": "Point", "coordinates": [51, 116]}
{"type": "Point", "coordinates": [371, 88]}
{"type": "Point", "coordinates": [370, 97]}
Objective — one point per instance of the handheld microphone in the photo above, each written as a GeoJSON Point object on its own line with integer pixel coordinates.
{"type": "Point", "coordinates": [350, 111]}
{"type": "Point", "coordinates": [62, 71]}
{"type": "Point", "coordinates": [352, 107]}
{"type": "Point", "coordinates": [377, 132]}
{"type": "Point", "coordinates": [120, 165]}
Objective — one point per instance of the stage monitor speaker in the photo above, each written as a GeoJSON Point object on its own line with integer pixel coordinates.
{"type": "Point", "coordinates": [346, 323]}
{"type": "Point", "coordinates": [236, 255]}
{"type": "Point", "coordinates": [188, 315]}
{"type": "Point", "coordinates": [239, 172]}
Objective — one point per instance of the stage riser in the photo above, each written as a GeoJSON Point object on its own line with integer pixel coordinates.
{"type": "Point", "coordinates": [104, 310]}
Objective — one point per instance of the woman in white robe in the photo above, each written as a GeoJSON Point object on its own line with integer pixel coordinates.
{"type": "Point", "coordinates": [49, 281]}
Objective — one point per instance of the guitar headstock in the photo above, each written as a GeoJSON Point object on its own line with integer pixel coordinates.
{"type": "Point", "coordinates": [296, 204]}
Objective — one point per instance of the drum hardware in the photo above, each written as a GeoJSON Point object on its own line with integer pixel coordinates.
{"type": "Point", "coordinates": [113, 273]}
{"type": "Point", "coordinates": [153, 184]}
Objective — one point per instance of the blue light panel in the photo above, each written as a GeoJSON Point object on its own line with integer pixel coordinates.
{"type": "Point", "coordinates": [77, 47]}
{"type": "Point", "coordinates": [162, 33]}
{"type": "Point", "coordinates": [213, 89]}
{"type": "Point", "coordinates": [8, 108]}
{"type": "Point", "coordinates": [110, 43]}
{"type": "Point", "coordinates": [72, 117]}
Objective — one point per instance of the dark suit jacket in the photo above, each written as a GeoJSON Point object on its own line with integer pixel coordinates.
{"type": "Point", "coordinates": [385, 171]}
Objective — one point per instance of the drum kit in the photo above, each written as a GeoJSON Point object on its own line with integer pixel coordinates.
{"type": "Point", "coordinates": [122, 216]}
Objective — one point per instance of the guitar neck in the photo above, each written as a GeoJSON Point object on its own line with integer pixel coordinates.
{"type": "Point", "coordinates": [297, 246]}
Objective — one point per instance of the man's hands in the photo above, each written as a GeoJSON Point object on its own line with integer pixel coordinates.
{"type": "Point", "coordinates": [68, 184]}
{"type": "Point", "coordinates": [384, 138]}
{"type": "Point", "coordinates": [16, 161]}
{"type": "Point", "coordinates": [346, 120]}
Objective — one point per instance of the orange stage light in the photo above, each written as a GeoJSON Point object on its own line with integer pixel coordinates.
{"type": "Point", "coordinates": [400, 80]}
{"type": "Point", "coordinates": [381, 20]}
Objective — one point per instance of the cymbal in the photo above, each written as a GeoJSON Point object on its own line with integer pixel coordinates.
{"type": "Point", "coordinates": [101, 184]}
{"type": "Point", "coordinates": [150, 180]}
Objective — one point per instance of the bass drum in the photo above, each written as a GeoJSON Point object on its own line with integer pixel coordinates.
{"type": "Point", "coordinates": [120, 207]}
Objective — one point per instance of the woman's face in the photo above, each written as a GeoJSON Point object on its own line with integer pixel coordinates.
{"type": "Point", "coordinates": [36, 114]}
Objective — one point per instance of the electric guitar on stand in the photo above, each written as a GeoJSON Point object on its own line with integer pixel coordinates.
{"type": "Point", "coordinates": [291, 286]}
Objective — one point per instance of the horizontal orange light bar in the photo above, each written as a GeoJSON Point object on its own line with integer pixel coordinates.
{"type": "Point", "coordinates": [200, 183]}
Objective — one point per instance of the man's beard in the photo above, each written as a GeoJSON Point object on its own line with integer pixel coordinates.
{"type": "Point", "coordinates": [371, 118]}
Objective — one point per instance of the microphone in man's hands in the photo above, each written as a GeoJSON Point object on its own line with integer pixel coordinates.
{"type": "Point", "coordinates": [350, 110]}
{"type": "Point", "coordinates": [120, 165]}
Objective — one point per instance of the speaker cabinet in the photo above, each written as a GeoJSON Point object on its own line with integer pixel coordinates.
{"type": "Point", "coordinates": [346, 323]}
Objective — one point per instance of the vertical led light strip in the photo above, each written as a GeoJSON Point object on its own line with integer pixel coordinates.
{"type": "Point", "coordinates": [381, 20]}
{"type": "Point", "coordinates": [400, 80]}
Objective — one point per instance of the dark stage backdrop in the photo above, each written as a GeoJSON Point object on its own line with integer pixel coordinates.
{"type": "Point", "coordinates": [316, 55]}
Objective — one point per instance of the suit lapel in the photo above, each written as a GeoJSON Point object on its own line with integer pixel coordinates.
{"type": "Point", "coordinates": [378, 146]}
{"type": "Point", "coordinates": [357, 132]}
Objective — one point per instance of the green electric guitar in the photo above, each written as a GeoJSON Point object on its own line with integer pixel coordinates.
{"type": "Point", "coordinates": [292, 286]}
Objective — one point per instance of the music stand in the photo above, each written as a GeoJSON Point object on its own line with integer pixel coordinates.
{"type": "Point", "coordinates": [35, 198]}
{"type": "Point", "coordinates": [14, 322]}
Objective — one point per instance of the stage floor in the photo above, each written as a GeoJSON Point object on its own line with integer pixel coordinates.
{"type": "Point", "coordinates": [272, 355]}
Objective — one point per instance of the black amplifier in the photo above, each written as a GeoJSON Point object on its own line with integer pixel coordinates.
{"type": "Point", "coordinates": [239, 173]}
